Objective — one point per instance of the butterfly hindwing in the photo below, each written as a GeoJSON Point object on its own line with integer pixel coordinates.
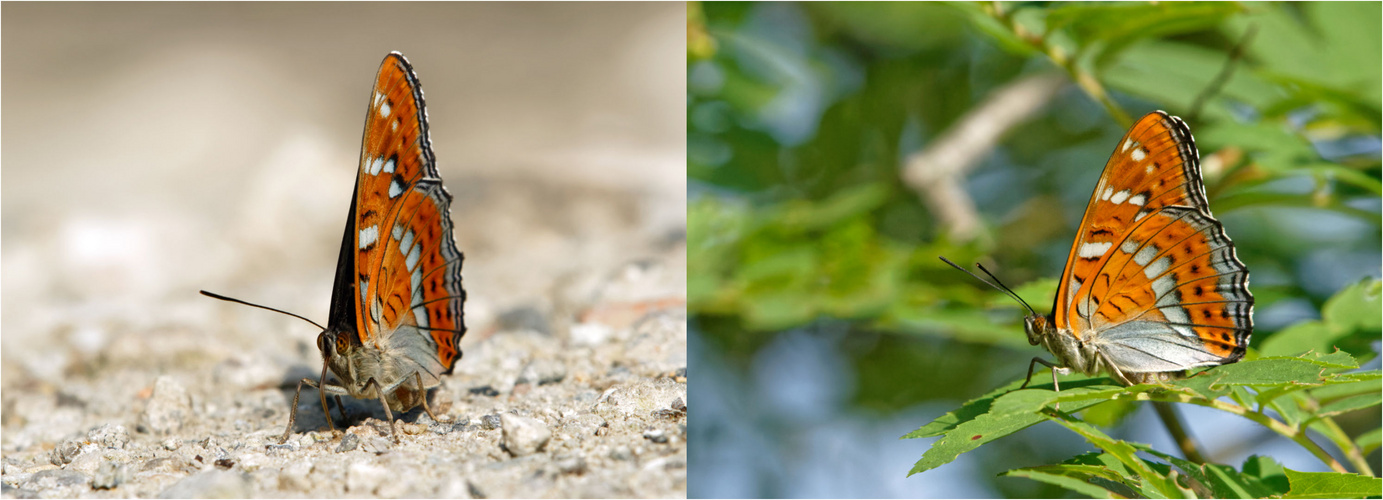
{"type": "Point", "coordinates": [407, 264]}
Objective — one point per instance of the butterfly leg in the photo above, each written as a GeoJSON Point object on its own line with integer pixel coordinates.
{"type": "Point", "coordinates": [423, 391]}
{"type": "Point", "coordinates": [1056, 370]}
{"type": "Point", "coordinates": [293, 412]}
{"type": "Point", "coordinates": [389, 414]}
{"type": "Point", "coordinates": [341, 408]}
{"type": "Point", "coordinates": [1032, 364]}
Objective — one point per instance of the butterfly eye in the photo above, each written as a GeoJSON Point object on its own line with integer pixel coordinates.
{"type": "Point", "coordinates": [324, 344]}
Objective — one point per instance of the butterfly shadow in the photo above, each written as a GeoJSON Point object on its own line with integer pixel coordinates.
{"type": "Point", "coordinates": [311, 418]}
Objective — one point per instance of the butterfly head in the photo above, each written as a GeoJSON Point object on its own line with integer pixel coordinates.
{"type": "Point", "coordinates": [337, 350]}
{"type": "Point", "coordinates": [1037, 327]}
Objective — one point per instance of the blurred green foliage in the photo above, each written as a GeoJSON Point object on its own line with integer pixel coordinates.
{"type": "Point", "coordinates": [801, 118]}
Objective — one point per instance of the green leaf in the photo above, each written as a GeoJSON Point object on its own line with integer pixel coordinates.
{"type": "Point", "coordinates": [1267, 472]}
{"type": "Point", "coordinates": [1174, 73]}
{"type": "Point", "coordinates": [997, 414]}
{"type": "Point", "coordinates": [1332, 485]}
{"type": "Point", "coordinates": [1369, 441]}
{"type": "Point", "coordinates": [1077, 478]}
{"type": "Point", "coordinates": [1122, 22]}
{"type": "Point", "coordinates": [1352, 403]}
{"type": "Point", "coordinates": [1125, 453]}
{"type": "Point", "coordinates": [1223, 480]}
{"type": "Point", "coordinates": [1110, 413]}
{"type": "Point", "coordinates": [1351, 320]}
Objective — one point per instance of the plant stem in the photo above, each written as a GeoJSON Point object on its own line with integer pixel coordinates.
{"type": "Point", "coordinates": [1084, 79]}
{"type": "Point", "coordinates": [1296, 434]}
{"type": "Point", "coordinates": [1172, 420]}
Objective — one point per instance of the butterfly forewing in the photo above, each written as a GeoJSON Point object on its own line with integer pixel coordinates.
{"type": "Point", "coordinates": [1151, 269]}
{"type": "Point", "coordinates": [408, 267]}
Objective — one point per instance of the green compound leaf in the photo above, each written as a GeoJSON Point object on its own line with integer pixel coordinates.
{"type": "Point", "coordinates": [1089, 480]}
{"type": "Point", "coordinates": [999, 413]}
{"type": "Point", "coordinates": [1332, 485]}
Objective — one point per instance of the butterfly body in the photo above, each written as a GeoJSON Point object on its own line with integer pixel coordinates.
{"type": "Point", "coordinates": [1152, 285]}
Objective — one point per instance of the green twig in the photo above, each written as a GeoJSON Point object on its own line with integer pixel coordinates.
{"type": "Point", "coordinates": [1223, 77]}
{"type": "Point", "coordinates": [1083, 78]}
{"type": "Point", "coordinates": [1296, 434]}
{"type": "Point", "coordinates": [1189, 448]}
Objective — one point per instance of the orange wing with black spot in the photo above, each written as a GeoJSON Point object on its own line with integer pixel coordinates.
{"type": "Point", "coordinates": [1152, 276]}
{"type": "Point", "coordinates": [408, 269]}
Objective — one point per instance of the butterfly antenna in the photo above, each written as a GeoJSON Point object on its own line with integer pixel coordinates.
{"type": "Point", "coordinates": [999, 285]}
{"type": "Point", "coordinates": [238, 301]}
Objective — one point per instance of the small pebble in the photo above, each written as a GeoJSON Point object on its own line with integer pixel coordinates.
{"type": "Point", "coordinates": [377, 445]}
{"type": "Point", "coordinates": [523, 435]}
{"type": "Point", "coordinates": [655, 435]}
{"type": "Point", "coordinates": [110, 436]}
{"type": "Point", "coordinates": [490, 422]}
{"type": "Point", "coordinates": [56, 478]}
{"type": "Point", "coordinates": [168, 408]}
{"type": "Point", "coordinates": [65, 451]}
{"type": "Point", "coordinates": [349, 442]}
{"type": "Point", "coordinates": [109, 475]}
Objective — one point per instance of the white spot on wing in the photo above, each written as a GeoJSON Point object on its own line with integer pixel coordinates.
{"type": "Point", "coordinates": [1119, 197]}
{"type": "Point", "coordinates": [1139, 154]}
{"type": "Point", "coordinates": [374, 166]}
{"type": "Point", "coordinates": [1137, 199]}
{"type": "Point", "coordinates": [1149, 170]}
{"type": "Point", "coordinates": [407, 243]}
{"type": "Point", "coordinates": [413, 257]}
{"type": "Point", "coordinates": [1129, 246]}
{"type": "Point", "coordinates": [1163, 285]}
{"type": "Point", "coordinates": [420, 315]}
{"type": "Point", "coordinates": [1156, 268]}
{"type": "Point", "coordinates": [389, 166]}
{"type": "Point", "coordinates": [395, 189]}
{"type": "Point", "coordinates": [1175, 314]}
{"type": "Point", "coordinates": [1145, 255]}
{"type": "Point", "coordinates": [398, 231]}
{"type": "Point", "coordinates": [1141, 214]}
{"type": "Point", "coordinates": [417, 283]}
{"type": "Point", "coordinates": [1128, 143]}
{"type": "Point", "coordinates": [1107, 193]}
{"type": "Point", "coordinates": [1088, 250]}
{"type": "Point", "coordinates": [368, 236]}
{"type": "Point", "coordinates": [384, 109]}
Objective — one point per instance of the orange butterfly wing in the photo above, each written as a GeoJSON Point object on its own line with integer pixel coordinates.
{"type": "Point", "coordinates": [407, 264]}
{"type": "Point", "coordinates": [1151, 272]}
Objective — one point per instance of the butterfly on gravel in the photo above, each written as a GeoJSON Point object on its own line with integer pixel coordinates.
{"type": "Point", "coordinates": [396, 317]}
{"type": "Point", "coordinates": [1152, 286]}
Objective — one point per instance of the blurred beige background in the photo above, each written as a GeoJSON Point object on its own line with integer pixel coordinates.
{"type": "Point", "coordinates": [153, 149]}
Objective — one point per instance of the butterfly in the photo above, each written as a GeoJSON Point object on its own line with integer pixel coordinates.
{"type": "Point", "coordinates": [1152, 286]}
{"type": "Point", "coordinates": [396, 316]}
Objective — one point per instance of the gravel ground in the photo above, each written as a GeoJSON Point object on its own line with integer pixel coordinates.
{"type": "Point", "coordinates": [213, 146]}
